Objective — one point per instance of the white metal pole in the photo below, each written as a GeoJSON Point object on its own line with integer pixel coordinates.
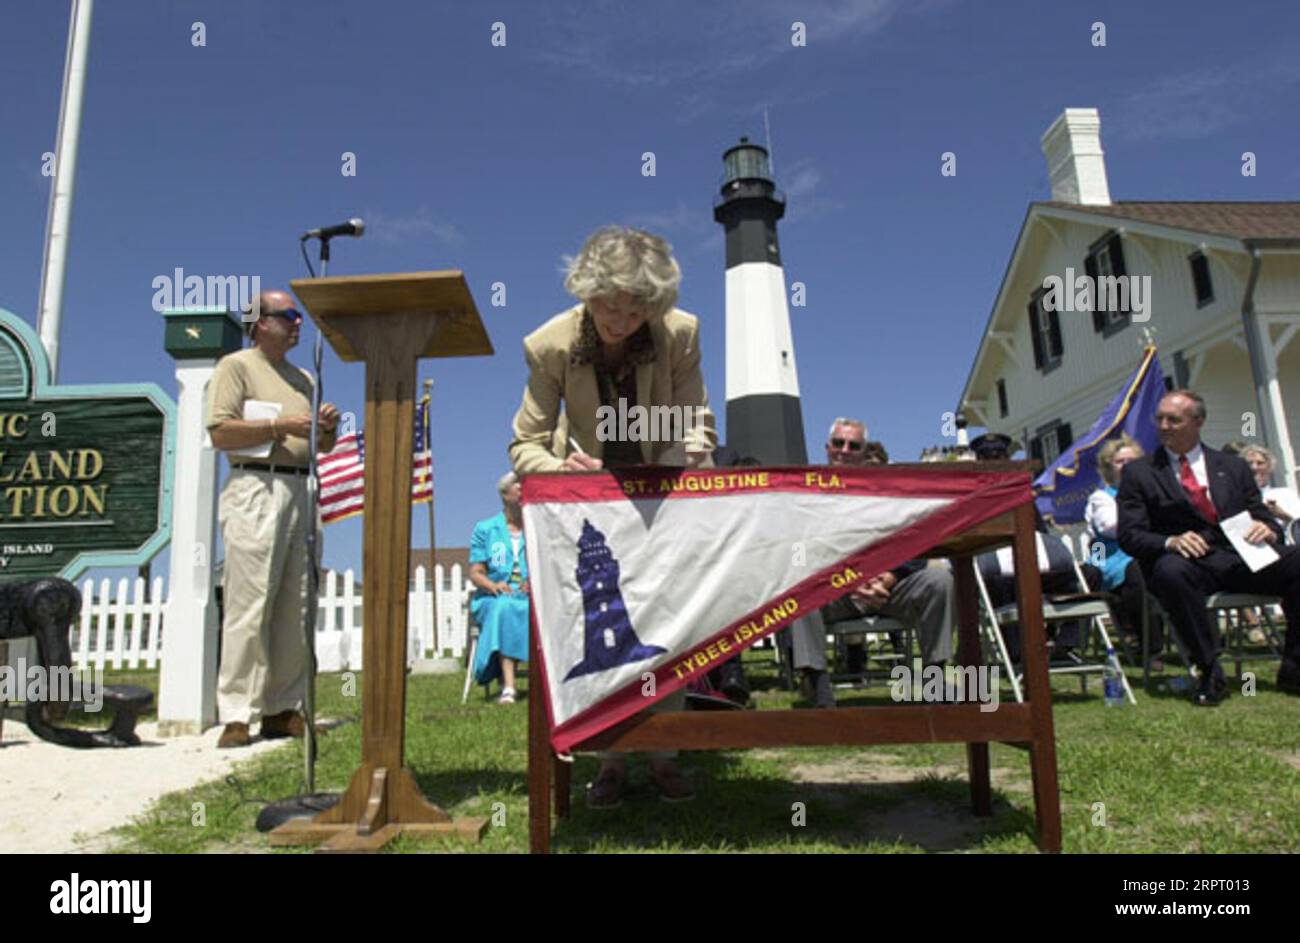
{"type": "Point", "coordinates": [50, 311]}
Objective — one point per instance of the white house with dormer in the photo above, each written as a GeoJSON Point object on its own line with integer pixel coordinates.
{"type": "Point", "coordinates": [1222, 304]}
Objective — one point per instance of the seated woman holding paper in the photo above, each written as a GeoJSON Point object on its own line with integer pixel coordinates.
{"type": "Point", "coordinates": [498, 568]}
{"type": "Point", "coordinates": [1282, 503]}
{"type": "Point", "coordinates": [626, 347]}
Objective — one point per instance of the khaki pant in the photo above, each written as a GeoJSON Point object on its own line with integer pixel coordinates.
{"type": "Point", "coordinates": [264, 588]}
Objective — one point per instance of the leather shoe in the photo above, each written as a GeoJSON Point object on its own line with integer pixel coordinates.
{"type": "Point", "coordinates": [673, 786]}
{"type": "Point", "coordinates": [283, 724]}
{"type": "Point", "coordinates": [733, 686]}
{"type": "Point", "coordinates": [235, 735]}
{"type": "Point", "coordinates": [606, 792]}
{"type": "Point", "coordinates": [1211, 692]}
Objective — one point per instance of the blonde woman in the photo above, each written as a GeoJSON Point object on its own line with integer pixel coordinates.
{"type": "Point", "coordinates": [1282, 503]}
{"type": "Point", "coordinates": [1120, 573]}
{"type": "Point", "coordinates": [623, 347]}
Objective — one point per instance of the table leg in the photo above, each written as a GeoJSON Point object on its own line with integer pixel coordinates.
{"type": "Point", "coordinates": [968, 652]}
{"type": "Point", "coordinates": [539, 755]}
{"type": "Point", "coordinates": [1042, 752]}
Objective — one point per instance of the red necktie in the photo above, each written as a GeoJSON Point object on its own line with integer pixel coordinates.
{"type": "Point", "coordinates": [1199, 496]}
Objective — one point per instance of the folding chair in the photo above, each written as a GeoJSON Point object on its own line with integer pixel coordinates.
{"type": "Point", "coordinates": [1092, 610]}
{"type": "Point", "coordinates": [1234, 629]}
{"type": "Point", "coordinates": [472, 628]}
{"type": "Point", "coordinates": [867, 626]}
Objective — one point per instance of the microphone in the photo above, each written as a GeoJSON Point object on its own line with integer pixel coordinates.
{"type": "Point", "coordinates": [353, 227]}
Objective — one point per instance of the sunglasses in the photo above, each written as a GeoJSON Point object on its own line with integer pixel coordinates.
{"type": "Point", "coordinates": [289, 314]}
{"type": "Point", "coordinates": [853, 444]}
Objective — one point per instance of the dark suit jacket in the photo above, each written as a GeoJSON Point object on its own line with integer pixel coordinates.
{"type": "Point", "coordinates": [1153, 505]}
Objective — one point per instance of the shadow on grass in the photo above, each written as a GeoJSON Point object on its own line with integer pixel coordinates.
{"type": "Point", "coordinates": [747, 813]}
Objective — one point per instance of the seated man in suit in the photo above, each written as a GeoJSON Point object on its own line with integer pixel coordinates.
{"type": "Point", "coordinates": [911, 592]}
{"type": "Point", "coordinates": [1170, 507]}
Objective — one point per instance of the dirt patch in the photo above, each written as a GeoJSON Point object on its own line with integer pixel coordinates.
{"type": "Point", "coordinates": [1291, 759]}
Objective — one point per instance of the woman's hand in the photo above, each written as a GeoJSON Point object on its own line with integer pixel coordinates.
{"type": "Point", "coordinates": [1278, 512]}
{"type": "Point", "coordinates": [580, 461]}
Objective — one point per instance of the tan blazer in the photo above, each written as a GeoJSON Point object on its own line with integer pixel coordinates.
{"type": "Point", "coordinates": [541, 433]}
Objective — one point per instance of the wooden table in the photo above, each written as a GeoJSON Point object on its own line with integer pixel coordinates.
{"type": "Point", "coordinates": [1028, 724]}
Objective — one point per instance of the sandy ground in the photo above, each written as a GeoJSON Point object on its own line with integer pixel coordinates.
{"type": "Point", "coordinates": [56, 800]}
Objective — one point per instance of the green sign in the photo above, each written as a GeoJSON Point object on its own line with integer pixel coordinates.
{"type": "Point", "coordinates": [85, 471]}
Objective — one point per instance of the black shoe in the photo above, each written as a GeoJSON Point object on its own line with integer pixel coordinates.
{"type": "Point", "coordinates": [855, 660]}
{"type": "Point", "coordinates": [1212, 691]}
{"type": "Point", "coordinates": [732, 682]}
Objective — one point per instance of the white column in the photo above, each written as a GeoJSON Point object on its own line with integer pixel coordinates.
{"type": "Point", "coordinates": [187, 701]}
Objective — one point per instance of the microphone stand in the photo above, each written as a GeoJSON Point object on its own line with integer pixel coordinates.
{"type": "Point", "coordinates": [309, 802]}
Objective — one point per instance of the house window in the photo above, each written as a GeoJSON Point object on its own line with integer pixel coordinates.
{"type": "Point", "coordinates": [1201, 278]}
{"type": "Point", "coordinates": [1002, 398]}
{"type": "Point", "coordinates": [1045, 329]}
{"type": "Point", "coordinates": [1051, 440]}
{"type": "Point", "coordinates": [1110, 301]}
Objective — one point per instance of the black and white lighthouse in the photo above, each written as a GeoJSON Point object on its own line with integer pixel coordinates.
{"type": "Point", "coordinates": [763, 414]}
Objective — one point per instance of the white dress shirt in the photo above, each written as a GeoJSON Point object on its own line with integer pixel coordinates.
{"type": "Point", "coordinates": [1195, 458]}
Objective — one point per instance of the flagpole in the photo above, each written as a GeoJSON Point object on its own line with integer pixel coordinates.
{"type": "Point", "coordinates": [58, 224]}
{"type": "Point", "coordinates": [427, 399]}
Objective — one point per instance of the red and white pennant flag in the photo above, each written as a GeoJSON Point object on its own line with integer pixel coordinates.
{"type": "Point", "coordinates": [672, 572]}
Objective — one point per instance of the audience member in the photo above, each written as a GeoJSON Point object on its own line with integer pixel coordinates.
{"type": "Point", "coordinates": [498, 567]}
{"type": "Point", "coordinates": [1170, 508]}
{"type": "Point", "coordinates": [1055, 567]}
{"type": "Point", "coordinates": [914, 593]}
{"type": "Point", "coordinates": [1282, 503]}
{"type": "Point", "coordinates": [1120, 573]}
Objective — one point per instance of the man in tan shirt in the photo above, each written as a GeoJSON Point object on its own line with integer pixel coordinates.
{"type": "Point", "coordinates": [264, 520]}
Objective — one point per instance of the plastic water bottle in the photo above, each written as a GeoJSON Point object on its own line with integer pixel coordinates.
{"type": "Point", "coordinates": [1112, 681]}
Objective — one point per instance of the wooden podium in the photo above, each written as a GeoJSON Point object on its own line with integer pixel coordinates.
{"type": "Point", "coordinates": [388, 321]}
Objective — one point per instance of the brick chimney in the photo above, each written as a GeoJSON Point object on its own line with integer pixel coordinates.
{"type": "Point", "coordinates": [1072, 146]}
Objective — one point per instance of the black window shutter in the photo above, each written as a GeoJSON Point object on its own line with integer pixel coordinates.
{"type": "Point", "coordinates": [1002, 398]}
{"type": "Point", "coordinates": [1116, 249]}
{"type": "Point", "coordinates": [1201, 278]}
{"type": "Point", "coordinates": [1035, 333]}
{"type": "Point", "coordinates": [1055, 348]}
{"type": "Point", "coordinates": [1063, 436]}
{"type": "Point", "coordinates": [1098, 315]}
{"type": "Point", "coordinates": [1036, 448]}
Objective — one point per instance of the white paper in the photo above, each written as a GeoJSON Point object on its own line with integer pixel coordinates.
{"type": "Point", "coordinates": [258, 409]}
{"type": "Point", "coordinates": [1256, 556]}
{"type": "Point", "coordinates": [1286, 499]}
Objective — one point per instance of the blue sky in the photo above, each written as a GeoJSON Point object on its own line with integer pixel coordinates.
{"type": "Point", "coordinates": [500, 160]}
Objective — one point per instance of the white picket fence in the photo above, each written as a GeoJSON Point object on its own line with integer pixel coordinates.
{"type": "Point", "coordinates": [122, 626]}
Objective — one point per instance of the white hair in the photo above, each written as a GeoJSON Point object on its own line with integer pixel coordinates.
{"type": "Point", "coordinates": [847, 422]}
{"type": "Point", "coordinates": [506, 482]}
{"type": "Point", "coordinates": [618, 259]}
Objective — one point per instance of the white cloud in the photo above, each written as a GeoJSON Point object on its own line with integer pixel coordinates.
{"type": "Point", "coordinates": [413, 226]}
{"type": "Point", "coordinates": [1204, 101]}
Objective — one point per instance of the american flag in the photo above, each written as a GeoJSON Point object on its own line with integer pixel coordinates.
{"type": "Point", "coordinates": [343, 470]}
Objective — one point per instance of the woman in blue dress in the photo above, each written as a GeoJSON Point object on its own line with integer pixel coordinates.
{"type": "Point", "coordinates": [1120, 573]}
{"type": "Point", "coordinates": [498, 569]}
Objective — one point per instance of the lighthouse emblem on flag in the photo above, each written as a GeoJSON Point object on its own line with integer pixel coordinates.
{"type": "Point", "coordinates": [610, 640]}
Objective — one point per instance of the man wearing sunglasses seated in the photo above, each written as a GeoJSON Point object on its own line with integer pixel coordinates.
{"type": "Point", "coordinates": [913, 592]}
{"type": "Point", "coordinates": [259, 413]}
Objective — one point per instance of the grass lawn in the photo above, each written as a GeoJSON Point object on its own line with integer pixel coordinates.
{"type": "Point", "coordinates": [1172, 778]}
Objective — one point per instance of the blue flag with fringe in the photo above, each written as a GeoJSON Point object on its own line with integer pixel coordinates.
{"type": "Point", "coordinates": [1064, 486]}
